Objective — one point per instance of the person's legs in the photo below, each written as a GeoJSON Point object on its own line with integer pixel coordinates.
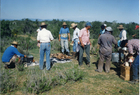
{"type": "Point", "coordinates": [101, 62]}
{"type": "Point", "coordinates": [74, 46]}
{"type": "Point", "coordinates": [87, 49]}
{"type": "Point", "coordinates": [81, 55]}
{"type": "Point", "coordinates": [66, 45]}
{"type": "Point", "coordinates": [48, 48]}
{"type": "Point", "coordinates": [135, 68]}
{"type": "Point", "coordinates": [42, 51]}
{"type": "Point", "coordinates": [62, 45]}
{"type": "Point", "coordinates": [108, 63]}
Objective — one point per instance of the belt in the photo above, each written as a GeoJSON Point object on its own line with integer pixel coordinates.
{"type": "Point", "coordinates": [44, 42]}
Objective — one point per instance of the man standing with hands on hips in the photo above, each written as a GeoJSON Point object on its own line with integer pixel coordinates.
{"type": "Point", "coordinates": [84, 36]}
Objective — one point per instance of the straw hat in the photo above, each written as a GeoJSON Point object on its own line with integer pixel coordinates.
{"type": "Point", "coordinates": [73, 25]}
{"type": "Point", "coordinates": [14, 43]}
{"type": "Point", "coordinates": [120, 27]}
{"type": "Point", "coordinates": [64, 23]}
{"type": "Point", "coordinates": [43, 24]}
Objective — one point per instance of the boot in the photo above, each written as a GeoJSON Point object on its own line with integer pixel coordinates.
{"type": "Point", "coordinates": [68, 53]}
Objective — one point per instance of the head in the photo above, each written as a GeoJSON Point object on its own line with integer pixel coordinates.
{"type": "Point", "coordinates": [102, 27]}
{"type": "Point", "coordinates": [43, 25]}
{"type": "Point", "coordinates": [15, 44]}
{"type": "Point", "coordinates": [88, 25]}
{"type": "Point", "coordinates": [73, 26]}
{"type": "Point", "coordinates": [109, 29]}
{"type": "Point", "coordinates": [120, 27]}
{"type": "Point", "coordinates": [64, 25]}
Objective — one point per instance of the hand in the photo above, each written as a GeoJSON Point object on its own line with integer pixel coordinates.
{"type": "Point", "coordinates": [72, 42]}
{"type": "Point", "coordinates": [25, 56]}
{"type": "Point", "coordinates": [59, 40]}
{"type": "Point", "coordinates": [90, 42]}
{"type": "Point", "coordinates": [82, 45]}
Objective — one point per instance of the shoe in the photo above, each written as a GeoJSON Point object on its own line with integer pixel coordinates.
{"type": "Point", "coordinates": [133, 82]}
{"type": "Point", "coordinates": [107, 71]}
{"type": "Point", "coordinates": [6, 67]}
{"type": "Point", "coordinates": [88, 64]}
{"type": "Point", "coordinates": [68, 54]}
{"type": "Point", "coordinates": [97, 70]}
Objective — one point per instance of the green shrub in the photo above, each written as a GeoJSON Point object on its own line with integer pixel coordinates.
{"type": "Point", "coordinates": [8, 83]}
{"type": "Point", "coordinates": [37, 82]}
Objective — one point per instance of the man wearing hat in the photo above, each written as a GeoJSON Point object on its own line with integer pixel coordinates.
{"type": "Point", "coordinates": [122, 35]}
{"type": "Point", "coordinates": [85, 43]}
{"type": "Point", "coordinates": [63, 37]}
{"type": "Point", "coordinates": [44, 37]}
{"type": "Point", "coordinates": [103, 27]}
{"type": "Point", "coordinates": [105, 41]}
{"type": "Point", "coordinates": [11, 54]}
{"type": "Point", "coordinates": [75, 38]}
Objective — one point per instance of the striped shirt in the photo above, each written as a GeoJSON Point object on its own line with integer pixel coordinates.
{"type": "Point", "coordinates": [133, 45]}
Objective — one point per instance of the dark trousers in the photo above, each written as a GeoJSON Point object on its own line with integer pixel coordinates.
{"type": "Point", "coordinates": [135, 68]}
{"type": "Point", "coordinates": [87, 50]}
{"type": "Point", "coordinates": [101, 62]}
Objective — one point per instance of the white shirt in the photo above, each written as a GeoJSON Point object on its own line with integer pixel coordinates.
{"type": "Point", "coordinates": [44, 36]}
{"type": "Point", "coordinates": [38, 30]}
{"type": "Point", "coordinates": [75, 34]}
{"type": "Point", "coordinates": [122, 35]}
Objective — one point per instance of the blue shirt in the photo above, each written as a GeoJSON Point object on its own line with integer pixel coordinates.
{"type": "Point", "coordinates": [64, 33]}
{"type": "Point", "coordinates": [9, 53]}
{"type": "Point", "coordinates": [102, 31]}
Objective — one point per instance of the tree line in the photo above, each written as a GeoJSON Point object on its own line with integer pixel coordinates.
{"type": "Point", "coordinates": [29, 27]}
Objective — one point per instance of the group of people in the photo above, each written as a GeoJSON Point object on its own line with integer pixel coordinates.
{"type": "Point", "coordinates": [81, 39]}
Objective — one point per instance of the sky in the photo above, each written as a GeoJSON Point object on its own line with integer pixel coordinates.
{"type": "Point", "coordinates": [124, 11]}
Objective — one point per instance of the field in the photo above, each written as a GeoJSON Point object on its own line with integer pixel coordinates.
{"type": "Point", "coordinates": [90, 82]}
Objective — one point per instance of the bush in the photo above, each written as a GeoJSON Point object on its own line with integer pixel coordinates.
{"type": "Point", "coordinates": [37, 82]}
{"type": "Point", "coordinates": [8, 83]}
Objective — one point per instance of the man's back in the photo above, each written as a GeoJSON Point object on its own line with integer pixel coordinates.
{"type": "Point", "coordinates": [105, 41]}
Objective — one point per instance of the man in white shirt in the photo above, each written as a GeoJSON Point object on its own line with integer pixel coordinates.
{"type": "Point", "coordinates": [44, 37]}
{"type": "Point", "coordinates": [122, 35]}
{"type": "Point", "coordinates": [75, 38]}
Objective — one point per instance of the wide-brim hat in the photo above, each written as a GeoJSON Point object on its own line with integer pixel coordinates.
{"type": "Point", "coordinates": [120, 27]}
{"type": "Point", "coordinates": [14, 43]}
{"type": "Point", "coordinates": [64, 23]}
{"type": "Point", "coordinates": [73, 25]}
{"type": "Point", "coordinates": [43, 24]}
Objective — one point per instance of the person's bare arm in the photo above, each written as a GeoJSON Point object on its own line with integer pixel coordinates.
{"type": "Point", "coordinates": [81, 42]}
{"type": "Point", "coordinates": [69, 36]}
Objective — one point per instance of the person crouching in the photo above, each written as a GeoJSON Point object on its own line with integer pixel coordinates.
{"type": "Point", "coordinates": [11, 54]}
